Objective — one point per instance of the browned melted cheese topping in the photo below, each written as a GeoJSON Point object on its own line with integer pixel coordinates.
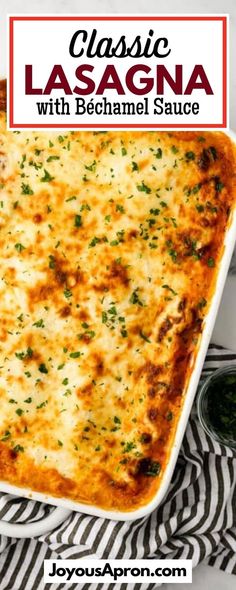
{"type": "Point", "coordinates": [109, 250]}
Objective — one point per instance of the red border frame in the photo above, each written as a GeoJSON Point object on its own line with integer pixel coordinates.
{"type": "Point", "coordinates": [223, 124]}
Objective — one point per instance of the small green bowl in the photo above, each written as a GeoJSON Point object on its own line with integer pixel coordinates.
{"type": "Point", "coordinates": [202, 406]}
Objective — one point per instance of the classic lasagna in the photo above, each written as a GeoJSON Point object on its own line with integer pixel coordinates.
{"type": "Point", "coordinates": [110, 244]}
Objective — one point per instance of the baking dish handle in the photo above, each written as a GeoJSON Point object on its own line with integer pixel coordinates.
{"type": "Point", "coordinates": [36, 528]}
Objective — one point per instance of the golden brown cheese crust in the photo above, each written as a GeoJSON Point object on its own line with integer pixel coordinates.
{"type": "Point", "coordinates": [109, 248]}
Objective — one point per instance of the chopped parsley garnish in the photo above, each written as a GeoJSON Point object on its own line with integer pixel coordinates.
{"type": "Point", "coordinates": [20, 355]}
{"type": "Point", "coordinates": [120, 235]}
{"type": "Point", "coordinates": [171, 251]}
{"type": "Point", "coordinates": [73, 198]}
{"type": "Point", "coordinates": [219, 185]}
{"type": "Point", "coordinates": [75, 355]}
{"type": "Point", "coordinates": [22, 161]}
{"type": "Point", "coordinates": [85, 207]}
{"type": "Point", "coordinates": [153, 469]}
{"type": "Point", "coordinates": [104, 317]}
{"type": "Point", "coordinates": [36, 165]}
{"type": "Point", "coordinates": [123, 151]}
{"type": "Point", "coordinates": [117, 420]}
{"type": "Point", "coordinates": [19, 412]}
{"type": "Point", "coordinates": [144, 337]}
{"type": "Point", "coordinates": [92, 166]}
{"type": "Point", "coordinates": [120, 208]}
{"type": "Point", "coordinates": [174, 221]}
{"type": "Point", "coordinates": [158, 153]}
{"type": "Point", "coordinates": [67, 293]}
{"type": "Point", "coordinates": [169, 289]}
{"type": "Point", "coordinates": [187, 191]}
{"type": "Point", "coordinates": [51, 158]}
{"type": "Point", "coordinates": [78, 221]}
{"type": "Point", "coordinates": [202, 303]}
{"type": "Point", "coordinates": [39, 324]}
{"type": "Point", "coordinates": [211, 262]}
{"type": "Point", "coordinates": [154, 211]}
{"type": "Point", "coordinates": [213, 152]}
{"type": "Point", "coordinates": [26, 189]}
{"type": "Point", "coordinates": [135, 167]}
{"type": "Point", "coordinates": [94, 242]}
{"type": "Point", "coordinates": [124, 333]}
{"type": "Point", "coordinates": [42, 405]}
{"type": "Point", "coordinates": [52, 261]}
{"type": "Point", "coordinates": [24, 355]}
{"type": "Point", "coordinates": [134, 299]}
{"type": "Point", "coordinates": [6, 436]}
{"type": "Point", "coordinates": [144, 188]}
{"type": "Point", "coordinates": [149, 467]}
{"type": "Point", "coordinates": [88, 333]}
{"type": "Point", "coordinates": [18, 449]}
{"type": "Point", "coordinates": [129, 446]}
{"type": "Point", "coordinates": [200, 208]}
{"type": "Point", "coordinates": [42, 368]}
{"type": "Point", "coordinates": [196, 188]}
{"type": "Point", "coordinates": [211, 207]}
{"type": "Point", "coordinates": [47, 177]}
{"type": "Point", "coordinates": [67, 393]}
{"type": "Point", "coordinates": [19, 247]}
{"type": "Point", "coordinates": [151, 222]}
{"type": "Point", "coordinates": [190, 156]}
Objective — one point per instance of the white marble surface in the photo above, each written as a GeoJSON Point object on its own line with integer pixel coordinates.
{"type": "Point", "coordinates": [206, 578]}
{"type": "Point", "coordinates": [203, 576]}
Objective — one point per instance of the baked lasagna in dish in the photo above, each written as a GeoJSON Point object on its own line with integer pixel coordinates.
{"type": "Point", "coordinates": [110, 244]}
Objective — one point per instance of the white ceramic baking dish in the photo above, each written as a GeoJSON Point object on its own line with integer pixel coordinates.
{"type": "Point", "coordinates": [65, 506]}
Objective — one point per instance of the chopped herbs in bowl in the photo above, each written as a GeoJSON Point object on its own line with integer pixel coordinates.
{"type": "Point", "coordinates": [216, 405]}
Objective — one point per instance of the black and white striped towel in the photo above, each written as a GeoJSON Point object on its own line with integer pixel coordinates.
{"type": "Point", "coordinates": [196, 520]}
